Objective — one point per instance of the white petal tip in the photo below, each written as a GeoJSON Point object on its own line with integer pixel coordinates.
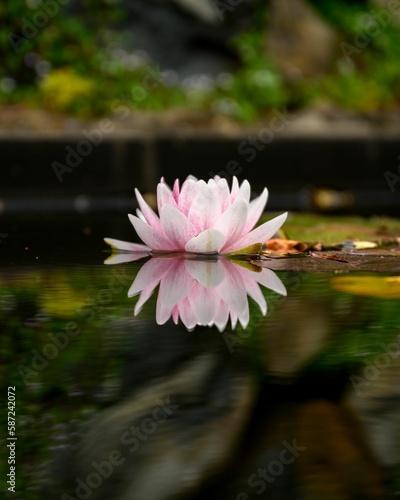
{"type": "Point", "coordinates": [126, 246]}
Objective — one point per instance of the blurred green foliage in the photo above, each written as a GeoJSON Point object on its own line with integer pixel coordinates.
{"type": "Point", "coordinates": [65, 60]}
{"type": "Point", "coordinates": [35, 310]}
{"type": "Point", "coordinates": [367, 74]}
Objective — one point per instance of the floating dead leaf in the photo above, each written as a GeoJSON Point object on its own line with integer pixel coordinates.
{"type": "Point", "coordinates": [385, 287]}
{"type": "Point", "coordinates": [284, 247]}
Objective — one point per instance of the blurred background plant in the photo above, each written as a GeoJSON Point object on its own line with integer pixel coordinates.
{"type": "Point", "coordinates": [78, 57]}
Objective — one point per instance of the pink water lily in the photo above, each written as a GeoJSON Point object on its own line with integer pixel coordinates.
{"type": "Point", "coordinates": [203, 292]}
{"type": "Point", "coordinates": [201, 217]}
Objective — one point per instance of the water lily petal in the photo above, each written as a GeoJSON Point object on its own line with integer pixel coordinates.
{"type": "Point", "coordinates": [221, 317]}
{"type": "Point", "coordinates": [254, 291]}
{"type": "Point", "coordinates": [258, 235]}
{"type": "Point", "coordinates": [223, 194]}
{"type": "Point", "coordinates": [204, 304]}
{"type": "Point", "coordinates": [232, 222]}
{"type": "Point", "coordinates": [270, 280]}
{"type": "Point", "coordinates": [244, 316]}
{"type": "Point", "coordinates": [177, 226]}
{"type": "Point", "coordinates": [251, 277]}
{"type": "Point", "coordinates": [208, 241]}
{"type": "Point", "coordinates": [175, 285]}
{"type": "Point", "coordinates": [175, 314]}
{"type": "Point", "coordinates": [234, 189]}
{"type": "Point", "coordinates": [126, 246]}
{"type": "Point", "coordinates": [150, 274]}
{"type": "Point", "coordinates": [175, 190]}
{"type": "Point", "coordinates": [154, 239]}
{"type": "Point", "coordinates": [232, 289]}
{"type": "Point", "coordinates": [162, 313]}
{"type": "Point", "coordinates": [186, 313]}
{"type": "Point", "coordinates": [208, 273]}
{"type": "Point", "coordinates": [139, 214]}
{"type": "Point", "coordinates": [123, 257]}
{"type": "Point", "coordinates": [166, 307]}
{"type": "Point", "coordinates": [234, 319]}
{"type": "Point", "coordinates": [151, 218]}
{"type": "Point", "coordinates": [143, 298]}
{"type": "Point", "coordinates": [244, 190]}
{"type": "Point", "coordinates": [205, 208]}
{"type": "Point", "coordinates": [164, 196]}
{"type": "Point", "coordinates": [255, 211]}
{"type": "Point", "coordinates": [188, 192]}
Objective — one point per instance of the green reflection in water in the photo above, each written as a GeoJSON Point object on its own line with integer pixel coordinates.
{"type": "Point", "coordinates": [72, 347]}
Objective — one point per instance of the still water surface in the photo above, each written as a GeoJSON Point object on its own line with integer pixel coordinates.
{"type": "Point", "coordinates": [116, 401]}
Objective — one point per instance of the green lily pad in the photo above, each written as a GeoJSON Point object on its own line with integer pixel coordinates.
{"type": "Point", "coordinates": [330, 229]}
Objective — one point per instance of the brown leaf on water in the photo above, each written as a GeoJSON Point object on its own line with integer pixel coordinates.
{"type": "Point", "coordinates": [282, 246]}
{"type": "Point", "coordinates": [279, 246]}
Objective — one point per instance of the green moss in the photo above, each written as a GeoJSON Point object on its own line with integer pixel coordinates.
{"type": "Point", "coordinates": [330, 229]}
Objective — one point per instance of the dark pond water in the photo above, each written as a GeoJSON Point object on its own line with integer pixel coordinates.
{"type": "Point", "coordinates": [302, 403]}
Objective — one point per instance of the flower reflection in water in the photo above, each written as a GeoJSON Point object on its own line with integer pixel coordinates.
{"type": "Point", "coordinates": [201, 291]}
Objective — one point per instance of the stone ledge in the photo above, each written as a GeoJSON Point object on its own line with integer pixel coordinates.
{"type": "Point", "coordinates": [322, 120]}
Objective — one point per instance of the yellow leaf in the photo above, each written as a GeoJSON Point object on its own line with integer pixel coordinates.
{"type": "Point", "coordinates": [363, 245]}
{"type": "Point", "coordinates": [384, 287]}
{"type": "Point", "coordinates": [59, 298]}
